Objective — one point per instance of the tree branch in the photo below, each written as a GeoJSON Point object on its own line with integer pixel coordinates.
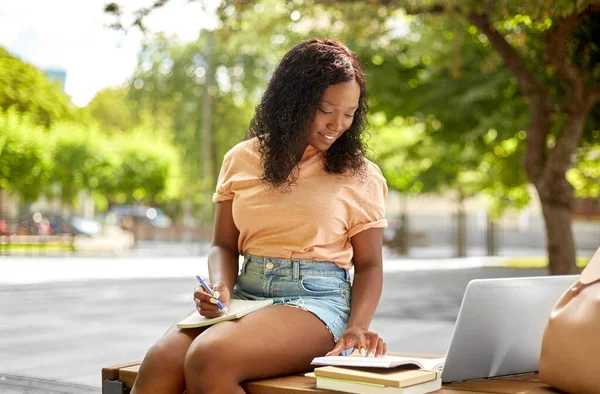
{"type": "Point", "coordinates": [555, 55]}
{"type": "Point", "coordinates": [540, 102]}
{"type": "Point", "coordinates": [528, 83]}
{"type": "Point", "coordinates": [435, 9]}
{"type": "Point", "coordinates": [593, 96]}
{"type": "Point", "coordinates": [141, 13]}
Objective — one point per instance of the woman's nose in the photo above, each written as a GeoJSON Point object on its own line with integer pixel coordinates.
{"type": "Point", "coordinates": [336, 124]}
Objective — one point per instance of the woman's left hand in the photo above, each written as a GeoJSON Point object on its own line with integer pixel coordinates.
{"type": "Point", "coordinates": [367, 342]}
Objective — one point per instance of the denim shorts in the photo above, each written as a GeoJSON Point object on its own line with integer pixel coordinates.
{"type": "Point", "coordinates": [319, 287]}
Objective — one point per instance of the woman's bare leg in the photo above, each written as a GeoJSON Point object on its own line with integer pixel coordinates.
{"type": "Point", "coordinates": [162, 368]}
{"type": "Point", "coordinates": [273, 341]}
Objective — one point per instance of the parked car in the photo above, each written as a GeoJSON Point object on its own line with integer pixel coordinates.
{"type": "Point", "coordinates": [141, 214]}
{"type": "Point", "coordinates": [74, 225]}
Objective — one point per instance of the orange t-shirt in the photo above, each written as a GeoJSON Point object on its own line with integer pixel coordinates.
{"type": "Point", "coordinates": [314, 220]}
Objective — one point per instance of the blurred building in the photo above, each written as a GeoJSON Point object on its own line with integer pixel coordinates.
{"type": "Point", "coordinates": [57, 75]}
{"type": "Point", "coordinates": [433, 221]}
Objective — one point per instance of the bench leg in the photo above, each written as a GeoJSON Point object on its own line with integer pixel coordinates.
{"type": "Point", "coordinates": [114, 387]}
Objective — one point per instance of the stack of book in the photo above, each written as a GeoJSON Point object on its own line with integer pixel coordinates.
{"type": "Point", "coordinates": [377, 375]}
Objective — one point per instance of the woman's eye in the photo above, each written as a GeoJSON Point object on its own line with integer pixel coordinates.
{"type": "Point", "coordinates": [349, 116]}
{"type": "Point", "coordinates": [325, 112]}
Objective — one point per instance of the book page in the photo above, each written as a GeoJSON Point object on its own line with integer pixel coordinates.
{"type": "Point", "coordinates": [355, 361]}
{"type": "Point", "coordinates": [434, 364]}
{"type": "Point", "coordinates": [380, 362]}
{"type": "Point", "coordinates": [237, 309]}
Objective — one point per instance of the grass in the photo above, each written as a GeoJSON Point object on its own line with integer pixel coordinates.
{"type": "Point", "coordinates": [537, 262]}
{"type": "Point", "coordinates": [26, 247]}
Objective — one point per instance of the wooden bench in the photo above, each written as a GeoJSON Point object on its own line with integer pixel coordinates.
{"type": "Point", "coordinates": [118, 379]}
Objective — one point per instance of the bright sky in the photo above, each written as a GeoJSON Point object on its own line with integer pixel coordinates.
{"type": "Point", "coordinates": [72, 35]}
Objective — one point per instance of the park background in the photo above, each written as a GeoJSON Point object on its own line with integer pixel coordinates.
{"type": "Point", "coordinates": [483, 118]}
{"type": "Point", "coordinates": [114, 119]}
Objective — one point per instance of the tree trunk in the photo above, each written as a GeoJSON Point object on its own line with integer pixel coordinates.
{"type": "Point", "coordinates": [207, 108]}
{"type": "Point", "coordinates": [556, 196]}
{"type": "Point", "coordinates": [461, 230]}
{"type": "Point", "coordinates": [491, 244]}
{"type": "Point", "coordinates": [402, 245]}
{"type": "Point", "coordinates": [560, 243]}
{"type": "Point", "coordinates": [2, 203]}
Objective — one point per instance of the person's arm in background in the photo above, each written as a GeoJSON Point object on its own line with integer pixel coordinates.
{"type": "Point", "coordinates": [366, 291]}
{"type": "Point", "coordinates": [223, 260]}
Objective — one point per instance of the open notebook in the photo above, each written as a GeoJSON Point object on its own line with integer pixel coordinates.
{"type": "Point", "coordinates": [434, 364]}
{"type": "Point", "coordinates": [237, 309]}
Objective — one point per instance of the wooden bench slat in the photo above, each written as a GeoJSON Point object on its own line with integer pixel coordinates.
{"type": "Point", "coordinates": [284, 385]}
{"type": "Point", "coordinates": [112, 372]}
{"type": "Point", "coordinates": [530, 377]}
{"type": "Point", "coordinates": [448, 390]}
{"type": "Point", "coordinates": [127, 375]}
{"type": "Point", "coordinates": [500, 386]}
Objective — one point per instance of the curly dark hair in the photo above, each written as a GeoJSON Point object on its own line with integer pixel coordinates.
{"type": "Point", "coordinates": [283, 118]}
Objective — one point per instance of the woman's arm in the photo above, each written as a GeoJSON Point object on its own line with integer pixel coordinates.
{"type": "Point", "coordinates": [223, 256]}
{"type": "Point", "coordinates": [368, 277]}
{"type": "Point", "coordinates": [366, 291]}
{"type": "Point", "coordinates": [222, 263]}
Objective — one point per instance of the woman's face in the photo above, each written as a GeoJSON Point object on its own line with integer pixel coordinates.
{"type": "Point", "coordinates": [335, 114]}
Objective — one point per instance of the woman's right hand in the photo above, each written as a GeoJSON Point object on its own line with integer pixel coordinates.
{"type": "Point", "coordinates": [206, 304]}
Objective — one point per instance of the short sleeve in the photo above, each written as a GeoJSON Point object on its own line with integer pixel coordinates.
{"type": "Point", "coordinates": [224, 191]}
{"type": "Point", "coordinates": [371, 212]}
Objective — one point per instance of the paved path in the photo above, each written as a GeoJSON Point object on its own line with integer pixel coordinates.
{"type": "Point", "coordinates": [28, 270]}
{"type": "Point", "coordinates": [64, 319]}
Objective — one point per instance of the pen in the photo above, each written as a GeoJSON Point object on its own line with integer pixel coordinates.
{"type": "Point", "coordinates": [209, 291]}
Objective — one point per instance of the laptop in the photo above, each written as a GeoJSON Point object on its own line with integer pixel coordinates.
{"type": "Point", "coordinates": [500, 326]}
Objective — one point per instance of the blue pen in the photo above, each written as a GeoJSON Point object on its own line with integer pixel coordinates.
{"type": "Point", "coordinates": [209, 291]}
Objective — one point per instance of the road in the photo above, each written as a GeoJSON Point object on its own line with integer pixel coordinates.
{"type": "Point", "coordinates": [63, 319]}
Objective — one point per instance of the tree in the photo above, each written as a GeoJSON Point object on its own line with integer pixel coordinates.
{"type": "Point", "coordinates": [555, 71]}
{"type": "Point", "coordinates": [129, 167]}
{"type": "Point", "coordinates": [172, 81]}
{"type": "Point", "coordinates": [462, 143]}
{"type": "Point", "coordinates": [28, 90]}
{"type": "Point", "coordinates": [112, 109]}
{"type": "Point", "coordinates": [80, 160]}
{"type": "Point", "coordinates": [551, 52]}
{"type": "Point", "coordinates": [24, 156]}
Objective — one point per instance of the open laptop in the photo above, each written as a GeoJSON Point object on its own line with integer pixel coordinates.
{"type": "Point", "coordinates": [500, 326]}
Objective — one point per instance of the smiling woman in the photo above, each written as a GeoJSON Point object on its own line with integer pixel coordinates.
{"type": "Point", "coordinates": [334, 115]}
{"type": "Point", "coordinates": [317, 95]}
{"type": "Point", "coordinates": [302, 204]}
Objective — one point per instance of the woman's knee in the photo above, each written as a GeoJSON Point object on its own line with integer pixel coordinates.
{"type": "Point", "coordinates": [167, 353]}
{"type": "Point", "coordinates": [208, 362]}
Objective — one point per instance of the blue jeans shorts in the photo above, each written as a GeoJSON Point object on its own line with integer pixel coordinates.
{"type": "Point", "coordinates": [319, 287]}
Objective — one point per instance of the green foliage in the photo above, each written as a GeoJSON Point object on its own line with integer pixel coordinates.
{"type": "Point", "coordinates": [112, 109]}
{"type": "Point", "coordinates": [81, 159]}
{"type": "Point", "coordinates": [446, 114]}
{"type": "Point", "coordinates": [459, 108]}
{"type": "Point", "coordinates": [585, 175]}
{"type": "Point", "coordinates": [170, 83]}
{"type": "Point", "coordinates": [148, 169]}
{"type": "Point", "coordinates": [44, 141]}
{"type": "Point", "coordinates": [24, 156]}
{"type": "Point", "coordinates": [28, 90]}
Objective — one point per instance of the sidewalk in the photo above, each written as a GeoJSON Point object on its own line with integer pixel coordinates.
{"type": "Point", "coordinates": [28, 270]}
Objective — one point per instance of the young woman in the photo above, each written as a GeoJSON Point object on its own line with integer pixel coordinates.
{"type": "Point", "coordinates": [302, 204]}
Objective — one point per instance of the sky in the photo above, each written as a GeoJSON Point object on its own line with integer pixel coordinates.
{"type": "Point", "coordinates": [72, 35]}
